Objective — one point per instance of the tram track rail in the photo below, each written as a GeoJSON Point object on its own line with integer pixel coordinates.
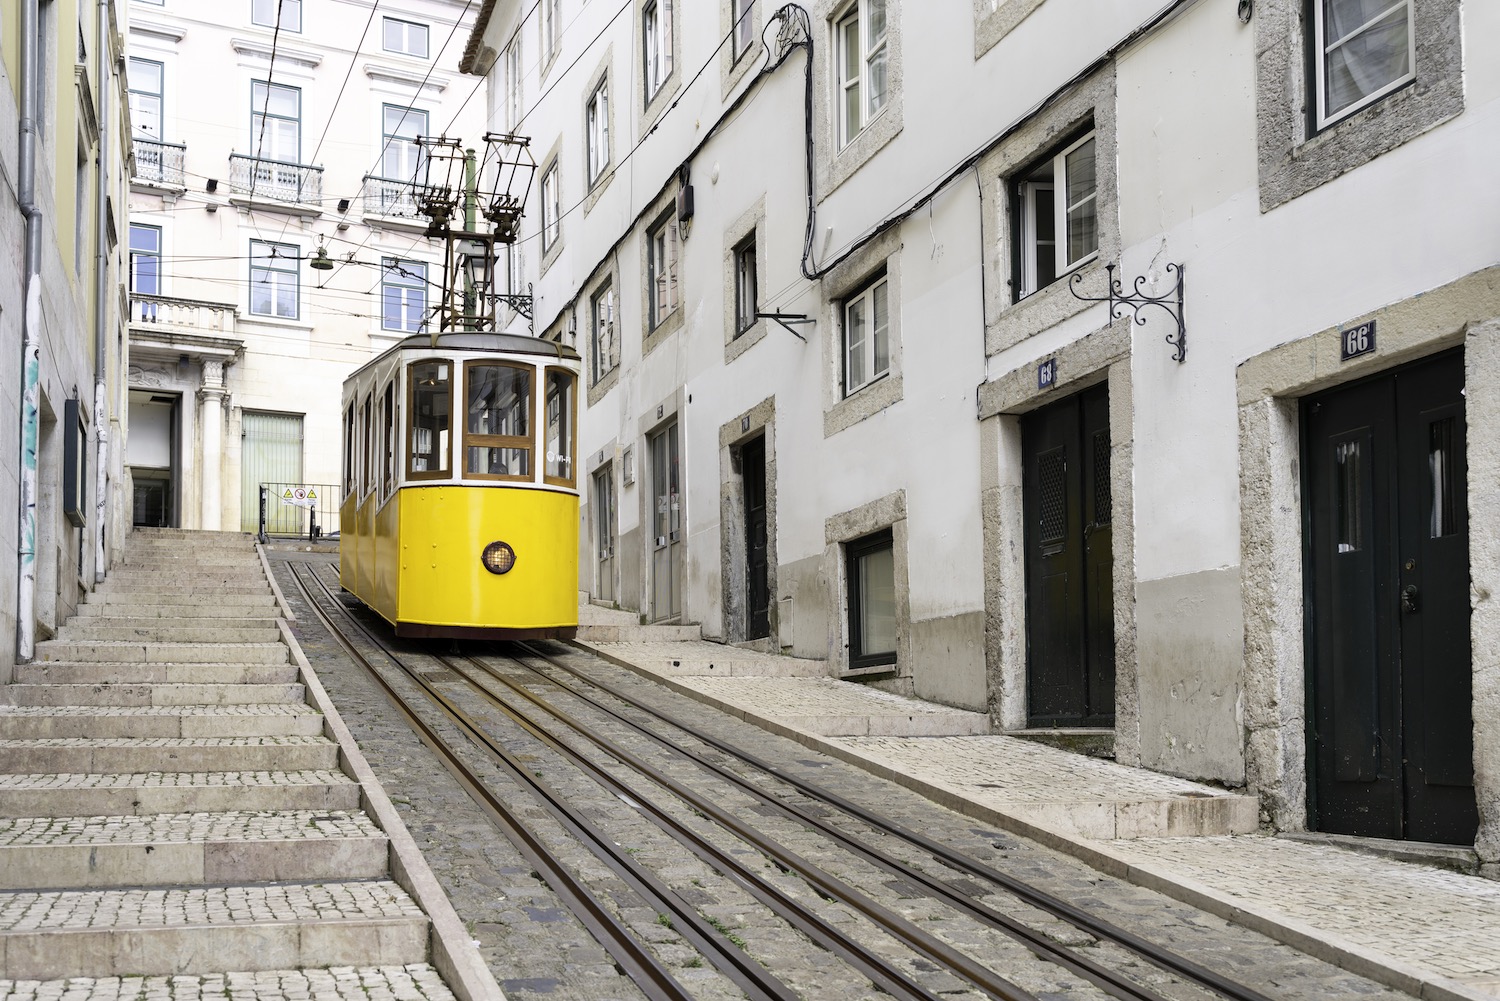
{"type": "Point", "coordinates": [637, 961]}
{"type": "Point", "coordinates": [633, 958]}
{"type": "Point", "coordinates": [1159, 956]}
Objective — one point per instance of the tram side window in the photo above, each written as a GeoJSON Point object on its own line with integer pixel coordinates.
{"type": "Point", "coordinates": [497, 432]}
{"type": "Point", "coordinates": [428, 410]}
{"type": "Point", "coordinates": [560, 415]}
{"type": "Point", "coordinates": [349, 450]}
{"type": "Point", "coordinates": [388, 438]}
{"type": "Point", "coordinates": [367, 465]}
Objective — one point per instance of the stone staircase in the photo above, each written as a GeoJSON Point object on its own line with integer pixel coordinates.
{"type": "Point", "coordinates": [171, 805]}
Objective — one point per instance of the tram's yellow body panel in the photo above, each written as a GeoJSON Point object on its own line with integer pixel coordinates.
{"type": "Point", "coordinates": [416, 560]}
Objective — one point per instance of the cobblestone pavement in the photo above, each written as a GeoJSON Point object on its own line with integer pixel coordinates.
{"type": "Point", "coordinates": [1431, 917]}
{"type": "Point", "coordinates": [538, 950]}
{"type": "Point", "coordinates": [376, 983]}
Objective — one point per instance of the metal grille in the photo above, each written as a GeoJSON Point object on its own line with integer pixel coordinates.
{"type": "Point", "coordinates": [1103, 503]}
{"type": "Point", "coordinates": [271, 452]}
{"type": "Point", "coordinates": [1052, 495]}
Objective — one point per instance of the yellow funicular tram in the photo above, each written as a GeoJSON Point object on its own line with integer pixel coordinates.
{"type": "Point", "coordinates": [460, 510]}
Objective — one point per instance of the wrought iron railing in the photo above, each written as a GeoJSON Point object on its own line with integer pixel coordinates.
{"type": "Point", "coordinates": [275, 180]}
{"type": "Point", "coordinates": [188, 314]}
{"type": "Point", "coordinates": [159, 162]}
{"type": "Point", "coordinates": [389, 197]}
{"type": "Point", "coordinates": [308, 510]}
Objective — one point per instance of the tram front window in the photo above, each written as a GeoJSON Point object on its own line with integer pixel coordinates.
{"type": "Point", "coordinates": [430, 394]}
{"type": "Point", "coordinates": [497, 429]}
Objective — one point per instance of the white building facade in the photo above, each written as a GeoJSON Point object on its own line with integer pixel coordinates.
{"type": "Point", "coordinates": [858, 388]}
{"type": "Point", "coordinates": [274, 238]}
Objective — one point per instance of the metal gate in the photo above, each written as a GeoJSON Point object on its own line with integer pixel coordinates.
{"type": "Point", "coordinates": [271, 452]}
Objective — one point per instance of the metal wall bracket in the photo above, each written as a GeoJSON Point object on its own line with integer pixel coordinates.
{"type": "Point", "coordinates": [520, 303]}
{"type": "Point", "coordinates": [1139, 300]}
{"type": "Point", "coordinates": [787, 319]}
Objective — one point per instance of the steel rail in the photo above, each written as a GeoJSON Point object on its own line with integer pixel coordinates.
{"type": "Point", "coordinates": [825, 884]}
{"type": "Point", "coordinates": [1111, 981]}
{"type": "Point", "coordinates": [1159, 956]}
{"type": "Point", "coordinates": [633, 958]}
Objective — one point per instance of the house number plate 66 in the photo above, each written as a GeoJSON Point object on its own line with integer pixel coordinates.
{"type": "Point", "coordinates": [1358, 341]}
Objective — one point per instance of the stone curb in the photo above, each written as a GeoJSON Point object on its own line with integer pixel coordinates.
{"type": "Point", "coordinates": [281, 603]}
{"type": "Point", "coordinates": [1350, 956]}
{"type": "Point", "coordinates": [454, 954]}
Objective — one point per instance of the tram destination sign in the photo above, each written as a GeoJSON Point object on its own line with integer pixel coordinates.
{"type": "Point", "coordinates": [1357, 341]}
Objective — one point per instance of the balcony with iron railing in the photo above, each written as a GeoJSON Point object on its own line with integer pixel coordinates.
{"type": "Point", "coordinates": [257, 178]}
{"type": "Point", "coordinates": [159, 163]}
{"type": "Point", "coordinates": [392, 199]}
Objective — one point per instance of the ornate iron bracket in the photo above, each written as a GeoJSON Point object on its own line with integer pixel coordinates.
{"type": "Point", "coordinates": [1138, 300]}
{"type": "Point", "coordinates": [520, 303]}
{"type": "Point", "coordinates": [787, 319]}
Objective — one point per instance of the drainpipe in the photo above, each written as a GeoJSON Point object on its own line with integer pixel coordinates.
{"type": "Point", "coordinates": [101, 292]}
{"type": "Point", "coordinates": [31, 323]}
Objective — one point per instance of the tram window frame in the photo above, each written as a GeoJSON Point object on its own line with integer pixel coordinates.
{"type": "Point", "coordinates": [445, 472]}
{"type": "Point", "coordinates": [571, 480]}
{"type": "Point", "coordinates": [526, 443]}
{"type": "Point", "coordinates": [388, 438]}
{"type": "Point", "coordinates": [349, 443]}
{"type": "Point", "coordinates": [367, 466]}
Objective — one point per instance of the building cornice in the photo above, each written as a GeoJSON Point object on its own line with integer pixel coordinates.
{"type": "Point", "coordinates": [173, 33]}
{"type": "Point", "coordinates": [259, 49]}
{"type": "Point", "coordinates": [405, 77]}
{"type": "Point", "coordinates": [471, 61]}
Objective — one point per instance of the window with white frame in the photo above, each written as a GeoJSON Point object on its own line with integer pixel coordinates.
{"type": "Point", "coordinates": [1056, 221]}
{"type": "Point", "coordinates": [604, 345]}
{"type": "Point", "coordinates": [400, 156]}
{"type": "Point", "coordinates": [661, 270]}
{"type": "Point", "coordinates": [863, 78]}
{"type": "Point", "coordinates": [146, 76]}
{"type": "Point", "coordinates": [406, 37]}
{"type": "Point", "coordinates": [596, 127]}
{"type": "Point", "coordinates": [515, 269]}
{"type": "Point", "coordinates": [513, 84]}
{"type": "Point", "coordinates": [743, 32]}
{"type": "Point", "coordinates": [145, 269]}
{"type": "Point", "coordinates": [274, 279]}
{"type": "Point", "coordinates": [746, 286]}
{"type": "Point", "coordinates": [551, 208]}
{"type": "Point", "coordinates": [403, 294]}
{"type": "Point", "coordinates": [268, 12]}
{"type": "Point", "coordinates": [656, 42]}
{"type": "Point", "coordinates": [276, 122]}
{"type": "Point", "coordinates": [550, 14]}
{"type": "Point", "coordinates": [1363, 50]}
{"type": "Point", "coordinates": [867, 336]}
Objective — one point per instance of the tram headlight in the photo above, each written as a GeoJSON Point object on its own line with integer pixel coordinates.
{"type": "Point", "coordinates": [498, 558]}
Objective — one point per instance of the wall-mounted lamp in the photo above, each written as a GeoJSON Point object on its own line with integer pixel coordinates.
{"type": "Point", "coordinates": [211, 185]}
{"type": "Point", "coordinates": [343, 205]}
{"type": "Point", "coordinates": [1245, 10]}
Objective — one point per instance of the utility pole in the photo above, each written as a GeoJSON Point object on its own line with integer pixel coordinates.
{"type": "Point", "coordinates": [488, 196]}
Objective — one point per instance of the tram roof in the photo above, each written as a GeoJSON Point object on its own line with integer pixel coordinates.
{"type": "Point", "coordinates": [515, 344]}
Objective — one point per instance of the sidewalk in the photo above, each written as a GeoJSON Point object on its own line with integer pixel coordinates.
{"type": "Point", "coordinates": [1431, 932]}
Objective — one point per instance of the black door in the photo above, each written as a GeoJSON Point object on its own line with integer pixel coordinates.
{"type": "Point", "coordinates": [1391, 730]}
{"type": "Point", "coordinates": [1069, 581]}
{"type": "Point", "coordinates": [758, 591]}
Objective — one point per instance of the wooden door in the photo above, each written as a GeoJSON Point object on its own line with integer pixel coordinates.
{"type": "Point", "coordinates": [758, 590]}
{"type": "Point", "coordinates": [1069, 566]}
{"type": "Point", "coordinates": [1390, 717]}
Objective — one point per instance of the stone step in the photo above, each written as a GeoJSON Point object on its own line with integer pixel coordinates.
{"type": "Point", "coordinates": [150, 695]}
{"type": "Point", "coordinates": [172, 585]}
{"type": "Point", "coordinates": [621, 633]}
{"type": "Point", "coordinates": [119, 794]}
{"type": "Point", "coordinates": [115, 652]}
{"type": "Point", "coordinates": [136, 932]}
{"type": "Point", "coordinates": [189, 849]}
{"type": "Point", "coordinates": [413, 982]}
{"type": "Point", "coordinates": [156, 575]}
{"type": "Point", "coordinates": [244, 607]}
{"type": "Point", "coordinates": [281, 719]}
{"type": "Point", "coordinates": [167, 755]}
{"type": "Point", "coordinates": [125, 602]}
{"type": "Point", "coordinates": [76, 673]}
{"type": "Point", "coordinates": [189, 534]}
{"type": "Point", "coordinates": [162, 630]}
